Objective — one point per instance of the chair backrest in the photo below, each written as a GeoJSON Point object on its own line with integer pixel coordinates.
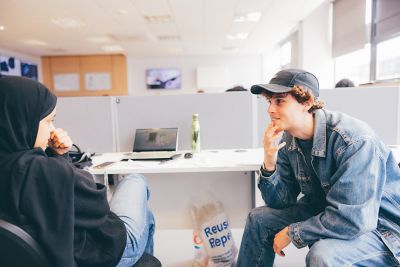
{"type": "Point", "coordinates": [18, 248]}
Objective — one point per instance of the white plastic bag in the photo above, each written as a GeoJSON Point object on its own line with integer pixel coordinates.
{"type": "Point", "coordinates": [211, 222]}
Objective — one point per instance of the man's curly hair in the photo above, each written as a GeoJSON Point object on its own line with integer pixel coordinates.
{"type": "Point", "coordinates": [301, 95]}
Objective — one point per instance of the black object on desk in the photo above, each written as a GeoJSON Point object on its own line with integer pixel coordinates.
{"type": "Point", "coordinates": [188, 155]}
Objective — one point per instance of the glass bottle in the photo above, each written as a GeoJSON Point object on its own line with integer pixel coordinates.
{"type": "Point", "coordinates": [195, 133]}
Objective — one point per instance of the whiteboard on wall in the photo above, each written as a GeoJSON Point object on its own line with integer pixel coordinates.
{"type": "Point", "coordinates": [66, 82]}
{"type": "Point", "coordinates": [95, 81]}
{"type": "Point", "coordinates": [217, 77]}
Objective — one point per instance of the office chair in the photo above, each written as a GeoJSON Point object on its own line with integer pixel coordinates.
{"type": "Point", "coordinates": [148, 261]}
{"type": "Point", "coordinates": [19, 249]}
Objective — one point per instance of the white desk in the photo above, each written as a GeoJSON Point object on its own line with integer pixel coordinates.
{"type": "Point", "coordinates": [204, 161]}
{"type": "Point", "coordinates": [228, 174]}
{"type": "Point", "coordinates": [227, 160]}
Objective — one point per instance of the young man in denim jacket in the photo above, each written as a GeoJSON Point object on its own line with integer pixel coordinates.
{"type": "Point", "coordinates": [330, 184]}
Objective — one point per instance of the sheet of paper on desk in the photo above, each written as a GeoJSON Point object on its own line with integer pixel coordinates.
{"type": "Point", "coordinates": [132, 163]}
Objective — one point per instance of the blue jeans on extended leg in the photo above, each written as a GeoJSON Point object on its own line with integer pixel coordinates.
{"type": "Point", "coordinates": [129, 202]}
{"type": "Point", "coordinates": [264, 222]}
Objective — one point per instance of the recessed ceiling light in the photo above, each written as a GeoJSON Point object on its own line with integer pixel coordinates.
{"type": "Point", "coordinates": [168, 37]}
{"type": "Point", "coordinates": [2, 28]}
{"type": "Point", "coordinates": [252, 17]}
{"type": "Point", "coordinates": [99, 39]}
{"type": "Point", "coordinates": [237, 36]}
{"type": "Point", "coordinates": [67, 23]}
{"type": "Point", "coordinates": [35, 42]}
{"type": "Point", "coordinates": [112, 48]}
{"type": "Point", "coordinates": [158, 19]}
{"type": "Point", "coordinates": [122, 12]}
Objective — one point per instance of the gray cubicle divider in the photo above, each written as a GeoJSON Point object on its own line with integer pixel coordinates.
{"type": "Point", "coordinates": [378, 107]}
{"type": "Point", "coordinates": [225, 118]}
{"type": "Point", "coordinates": [89, 122]}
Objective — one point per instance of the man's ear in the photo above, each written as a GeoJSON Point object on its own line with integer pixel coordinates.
{"type": "Point", "coordinates": [307, 105]}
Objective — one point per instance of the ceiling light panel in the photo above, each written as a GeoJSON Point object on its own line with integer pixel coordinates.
{"type": "Point", "coordinates": [67, 22]}
{"type": "Point", "coordinates": [249, 17]}
{"type": "Point", "coordinates": [112, 48]}
{"type": "Point", "coordinates": [169, 37]}
{"type": "Point", "coordinates": [35, 42]}
{"type": "Point", "coordinates": [158, 19]}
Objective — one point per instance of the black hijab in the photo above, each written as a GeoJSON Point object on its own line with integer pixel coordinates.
{"type": "Point", "coordinates": [23, 103]}
{"type": "Point", "coordinates": [59, 205]}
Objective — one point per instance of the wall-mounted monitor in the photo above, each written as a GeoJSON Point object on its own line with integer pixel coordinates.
{"type": "Point", "coordinates": [29, 70]}
{"type": "Point", "coordinates": [163, 78]}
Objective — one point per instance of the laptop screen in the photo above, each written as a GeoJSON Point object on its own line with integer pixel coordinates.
{"type": "Point", "coordinates": [156, 139]}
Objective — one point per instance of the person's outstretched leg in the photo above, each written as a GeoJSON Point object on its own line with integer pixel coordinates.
{"type": "Point", "coordinates": [261, 226]}
{"type": "Point", "coordinates": [129, 202]}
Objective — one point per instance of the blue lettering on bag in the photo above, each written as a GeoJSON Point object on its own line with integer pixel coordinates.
{"type": "Point", "coordinates": [209, 231]}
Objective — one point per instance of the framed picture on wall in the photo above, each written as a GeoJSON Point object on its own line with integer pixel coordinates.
{"type": "Point", "coordinates": [163, 78]}
{"type": "Point", "coordinates": [10, 66]}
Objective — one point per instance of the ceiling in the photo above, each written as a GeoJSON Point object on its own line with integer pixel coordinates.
{"type": "Point", "coordinates": [147, 27]}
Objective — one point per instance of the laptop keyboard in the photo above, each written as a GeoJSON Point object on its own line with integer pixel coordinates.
{"type": "Point", "coordinates": [151, 154]}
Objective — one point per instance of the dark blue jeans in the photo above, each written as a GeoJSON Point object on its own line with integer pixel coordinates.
{"type": "Point", "coordinates": [263, 223]}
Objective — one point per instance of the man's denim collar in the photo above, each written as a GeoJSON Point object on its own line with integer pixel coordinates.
{"type": "Point", "coordinates": [319, 143]}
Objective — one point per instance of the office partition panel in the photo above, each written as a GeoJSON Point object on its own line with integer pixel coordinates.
{"type": "Point", "coordinates": [378, 107]}
{"type": "Point", "coordinates": [225, 118]}
{"type": "Point", "coordinates": [89, 122]}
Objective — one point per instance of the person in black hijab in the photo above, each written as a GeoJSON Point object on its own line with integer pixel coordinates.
{"type": "Point", "coordinates": [61, 206]}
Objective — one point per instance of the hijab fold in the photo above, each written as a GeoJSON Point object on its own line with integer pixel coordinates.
{"type": "Point", "coordinates": [23, 104]}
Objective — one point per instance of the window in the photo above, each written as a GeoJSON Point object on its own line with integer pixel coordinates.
{"type": "Point", "coordinates": [388, 59]}
{"type": "Point", "coordinates": [354, 66]}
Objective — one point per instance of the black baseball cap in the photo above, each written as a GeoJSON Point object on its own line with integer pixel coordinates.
{"type": "Point", "coordinates": [284, 81]}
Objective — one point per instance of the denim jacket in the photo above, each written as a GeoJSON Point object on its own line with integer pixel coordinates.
{"type": "Point", "coordinates": [358, 174]}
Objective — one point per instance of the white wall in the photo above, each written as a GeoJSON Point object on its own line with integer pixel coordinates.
{"type": "Point", "coordinates": [311, 48]}
{"type": "Point", "coordinates": [315, 45]}
{"type": "Point", "coordinates": [243, 70]}
{"type": "Point", "coordinates": [27, 58]}
{"type": "Point", "coordinates": [271, 64]}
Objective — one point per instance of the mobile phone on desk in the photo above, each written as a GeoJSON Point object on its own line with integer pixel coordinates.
{"type": "Point", "coordinates": [104, 164]}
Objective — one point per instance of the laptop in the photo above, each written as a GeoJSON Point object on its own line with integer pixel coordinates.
{"type": "Point", "coordinates": [154, 144]}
